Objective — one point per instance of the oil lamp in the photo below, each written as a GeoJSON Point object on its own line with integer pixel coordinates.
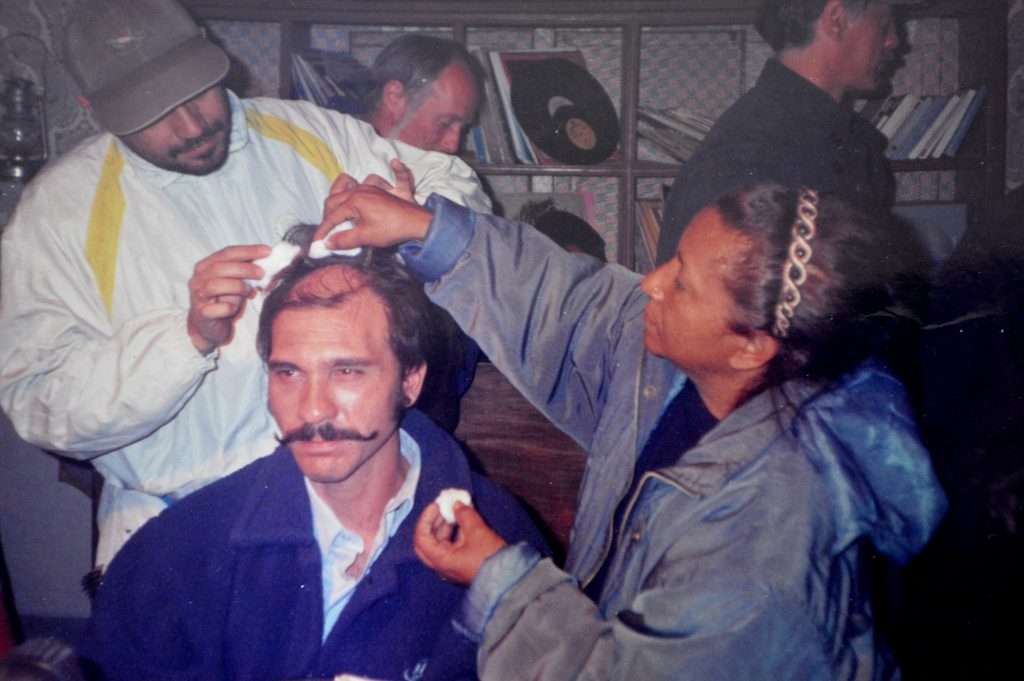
{"type": "Point", "coordinates": [23, 133]}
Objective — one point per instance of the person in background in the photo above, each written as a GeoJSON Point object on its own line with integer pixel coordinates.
{"type": "Point", "coordinates": [746, 451]}
{"type": "Point", "coordinates": [301, 564]}
{"type": "Point", "coordinates": [795, 126]}
{"type": "Point", "coordinates": [126, 318]}
{"type": "Point", "coordinates": [566, 229]}
{"type": "Point", "coordinates": [427, 92]}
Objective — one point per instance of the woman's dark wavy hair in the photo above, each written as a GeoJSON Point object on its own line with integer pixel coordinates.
{"type": "Point", "coordinates": [411, 319]}
{"type": "Point", "coordinates": [848, 276]}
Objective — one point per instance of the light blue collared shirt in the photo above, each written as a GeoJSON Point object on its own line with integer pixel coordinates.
{"type": "Point", "coordinates": [339, 547]}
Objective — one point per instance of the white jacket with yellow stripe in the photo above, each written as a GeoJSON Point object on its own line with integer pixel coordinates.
{"type": "Point", "coordinates": [95, 360]}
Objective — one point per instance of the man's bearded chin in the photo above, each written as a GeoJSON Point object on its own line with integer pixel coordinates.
{"type": "Point", "coordinates": [326, 431]}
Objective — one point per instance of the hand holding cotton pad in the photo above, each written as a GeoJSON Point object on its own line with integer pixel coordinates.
{"type": "Point", "coordinates": [446, 502]}
{"type": "Point", "coordinates": [281, 255]}
{"type": "Point", "coordinates": [318, 249]}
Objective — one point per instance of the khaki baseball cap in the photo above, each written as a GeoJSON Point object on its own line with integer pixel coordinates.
{"type": "Point", "coordinates": [136, 60]}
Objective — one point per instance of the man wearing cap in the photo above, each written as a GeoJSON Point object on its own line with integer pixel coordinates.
{"type": "Point", "coordinates": [122, 339]}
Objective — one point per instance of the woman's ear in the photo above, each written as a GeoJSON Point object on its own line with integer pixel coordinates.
{"type": "Point", "coordinates": [758, 348]}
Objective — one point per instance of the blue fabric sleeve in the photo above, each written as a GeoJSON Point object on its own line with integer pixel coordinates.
{"type": "Point", "coordinates": [497, 575]}
{"type": "Point", "coordinates": [451, 229]}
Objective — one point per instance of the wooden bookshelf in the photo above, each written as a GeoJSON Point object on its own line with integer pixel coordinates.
{"type": "Point", "coordinates": [979, 167]}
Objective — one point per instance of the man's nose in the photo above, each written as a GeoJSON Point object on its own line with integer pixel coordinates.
{"type": "Point", "coordinates": [651, 284]}
{"type": "Point", "coordinates": [316, 405]}
{"type": "Point", "coordinates": [188, 121]}
{"type": "Point", "coordinates": [451, 139]}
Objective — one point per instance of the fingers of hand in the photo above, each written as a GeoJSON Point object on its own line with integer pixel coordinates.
{"type": "Point", "coordinates": [403, 177]}
{"type": "Point", "coordinates": [343, 183]}
{"type": "Point", "coordinates": [225, 272]}
{"type": "Point", "coordinates": [206, 292]}
{"type": "Point", "coordinates": [428, 547]}
{"type": "Point", "coordinates": [377, 182]}
{"type": "Point", "coordinates": [336, 212]}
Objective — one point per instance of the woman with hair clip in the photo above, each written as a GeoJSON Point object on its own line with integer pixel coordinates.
{"type": "Point", "coordinates": [745, 450]}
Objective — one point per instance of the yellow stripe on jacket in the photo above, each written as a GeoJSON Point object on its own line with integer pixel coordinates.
{"type": "Point", "coordinates": [105, 226]}
{"type": "Point", "coordinates": [109, 203]}
{"type": "Point", "coordinates": [308, 146]}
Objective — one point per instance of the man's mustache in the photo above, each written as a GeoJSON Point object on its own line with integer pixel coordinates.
{"type": "Point", "coordinates": [326, 431]}
{"type": "Point", "coordinates": [190, 144]}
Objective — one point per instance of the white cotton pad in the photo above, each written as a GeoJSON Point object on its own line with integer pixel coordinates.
{"type": "Point", "coordinates": [281, 255]}
{"type": "Point", "coordinates": [446, 502]}
{"type": "Point", "coordinates": [318, 249]}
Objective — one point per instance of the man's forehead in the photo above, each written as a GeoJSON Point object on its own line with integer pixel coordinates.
{"type": "Point", "coordinates": [327, 282]}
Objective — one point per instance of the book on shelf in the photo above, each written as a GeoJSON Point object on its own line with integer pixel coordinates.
{"type": "Point", "coordinates": [493, 131]}
{"type": "Point", "coordinates": [648, 221]}
{"type": "Point", "coordinates": [951, 123]}
{"type": "Point", "coordinates": [964, 125]}
{"type": "Point", "coordinates": [520, 146]}
{"type": "Point", "coordinates": [903, 109]}
{"type": "Point", "coordinates": [898, 143]}
{"type": "Point", "coordinates": [885, 109]}
{"type": "Point", "coordinates": [923, 147]}
{"type": "Point", "coordinates": [334, 80]}
{"type": "Point", "coordinates": [915, 126]}
{"type": "Point", "coordinates": [676, 131]}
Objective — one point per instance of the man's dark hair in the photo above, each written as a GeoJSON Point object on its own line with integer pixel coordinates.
{"type": "Point", "coordinates": [411, 319]}
{"type": "Point", "coordinates": [568, 230]}
{"type": "Point", "coordinates": [790, 23]}
{"type": "Point", "coordinates": [415, 60]}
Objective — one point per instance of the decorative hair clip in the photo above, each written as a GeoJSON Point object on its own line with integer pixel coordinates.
{"type": "Point", "coordinates": [794, 271]}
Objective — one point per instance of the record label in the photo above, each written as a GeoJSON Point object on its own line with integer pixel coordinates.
{"type": "Point", "coordinates": [563, 110]}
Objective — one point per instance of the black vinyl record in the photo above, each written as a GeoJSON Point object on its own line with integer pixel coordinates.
{"type": "Point", "coordinates": [563, 110]}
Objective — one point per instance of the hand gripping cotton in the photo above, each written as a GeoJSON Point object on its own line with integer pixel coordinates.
{"type": "Point", "coordinates": [446, 502]}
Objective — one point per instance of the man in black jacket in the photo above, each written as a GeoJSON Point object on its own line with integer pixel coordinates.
{"type": "Point", "coordinates": [793, 127]}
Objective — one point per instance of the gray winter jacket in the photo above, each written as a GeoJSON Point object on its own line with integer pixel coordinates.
{"type": "Point", "coordinates": [742, 561]}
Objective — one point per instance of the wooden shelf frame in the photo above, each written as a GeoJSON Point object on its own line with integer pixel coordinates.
{"type": "Point", "coordinates": [980, 168]}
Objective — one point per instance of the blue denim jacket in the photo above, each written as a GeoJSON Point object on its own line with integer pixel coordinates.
{"type": "Point", "coordinates": [743, 560]}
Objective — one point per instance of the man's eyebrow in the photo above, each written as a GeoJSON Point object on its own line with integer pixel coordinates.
{"type": "Point", "coordinates": [351, 362]}
{"type": "Point", "coordinates": [280, 364]}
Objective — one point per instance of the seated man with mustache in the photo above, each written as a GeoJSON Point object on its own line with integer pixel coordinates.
{"type": "Point", "coordinates": [301, 564]}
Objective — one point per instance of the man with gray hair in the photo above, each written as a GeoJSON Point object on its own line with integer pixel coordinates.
{"type": "Point", "coordinates": [795, 127]}
{"type": "Point", "coordinates": [427, 93]}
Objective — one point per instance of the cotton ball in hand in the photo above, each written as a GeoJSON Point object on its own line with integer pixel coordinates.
{"type": "Point", "coordinates": [446, 502]}
{"type": "Point", "coordinates": [318, 249]}
{"type": "Point", "coordinates": [281, 255]}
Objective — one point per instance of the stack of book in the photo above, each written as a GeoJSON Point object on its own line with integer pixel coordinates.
{"type": "Point", "coordinates": [334, 80]}
{"type": "Point", "coordinates": [925, 126]}
{"type": "Point", "coordinates": [489, 141]}
{"type": "Point", "coordinates": [676, 131]}
{"type": "Point", "coordinates": [648, 219]}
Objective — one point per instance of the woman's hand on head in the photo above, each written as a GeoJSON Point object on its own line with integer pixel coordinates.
{"type": "Point", "coordinates": [383, 214]}
{"type": "Point", "coordinates": [455, 555]}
